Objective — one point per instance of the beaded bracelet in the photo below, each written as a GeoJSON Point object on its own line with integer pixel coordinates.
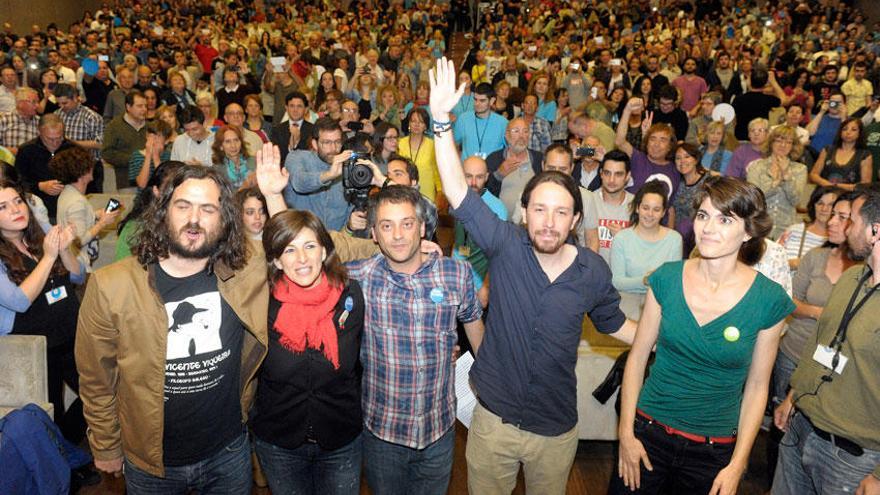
{"type": "Point", "coordinates": [441, 127]}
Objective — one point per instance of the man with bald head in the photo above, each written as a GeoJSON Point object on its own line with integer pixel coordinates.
{"type": "Point", "coordinates": [476, 173]}
{"type": "Point", "coordinates": [32, 161]}
{"type": "Point", "coordinates": [115, 105]}
{"type": "Point", "coordinates": [20, 126]}
{"type": "Point", "coordinates": [145, 79]}
{"type": "Point", "coordinates": [588, 154]}
{"type": "Point", "coordinates": [511, 167]}
{"type": "Point", "coordinates": [234, 115]}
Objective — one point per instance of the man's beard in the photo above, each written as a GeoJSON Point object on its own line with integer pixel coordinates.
{"type": "Point", "coordinates": [548, 247]}
{"type": "Point", "coordinates": [206, 250]}
{"type": "Point", "coordinates": [858, 255]}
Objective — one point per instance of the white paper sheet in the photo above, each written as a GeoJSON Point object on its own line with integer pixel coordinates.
{"type": "Point", "coordinates": [466, 398]}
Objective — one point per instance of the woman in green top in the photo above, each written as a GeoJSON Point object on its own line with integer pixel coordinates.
{"type": "Point", "coordinates": [129, 225]}
{"type": "Point", "coordinates": [716, 324]}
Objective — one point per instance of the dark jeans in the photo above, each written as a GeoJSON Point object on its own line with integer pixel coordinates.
{"type": "Point", "coordinates": [394, 469]}
{"type": "Point", "coordinates": [61, 369]}
{"type": "Point", "coordinates": [309, 469]}
{"type": "Point", "coordinates": [680, 465]}
{"type": "Point", "coordinates": [226, 472]}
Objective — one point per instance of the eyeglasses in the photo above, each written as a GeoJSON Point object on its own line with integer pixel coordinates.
{"type": "Point", "coordinates": [335, 142]}
{"type": "Point", "coordinates": [350, 110]}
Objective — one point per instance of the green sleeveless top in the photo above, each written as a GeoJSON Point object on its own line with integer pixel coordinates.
{"type": "Point", "coordinates": [696, 382]}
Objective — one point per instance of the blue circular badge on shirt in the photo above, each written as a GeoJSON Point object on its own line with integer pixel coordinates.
{"type": "Point", "coordinates": [349, 303]}
{"type": "Point", "coordinates": [437, 295]}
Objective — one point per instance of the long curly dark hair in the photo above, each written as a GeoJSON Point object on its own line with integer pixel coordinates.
{"type": "Point", "coordinates": [152, 241]}
{"type": "Point", "coordinates": [11, 257]}
{"type": "Point", "coordinates": [145, 196]}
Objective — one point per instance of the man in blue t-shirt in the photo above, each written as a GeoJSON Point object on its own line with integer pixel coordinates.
{"type": "Point", "coordinates": [480, 131]}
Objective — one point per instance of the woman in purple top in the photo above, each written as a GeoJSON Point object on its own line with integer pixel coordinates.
{"type": "Point", "coordinates": [759, 129]}
{"type": "Point", "coordinates": [654, 162]}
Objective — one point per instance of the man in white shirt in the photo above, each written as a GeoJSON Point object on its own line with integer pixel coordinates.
{"type": "Point", "coordinates": [608, 207]}
{"type": "Point", "coordinates": [8, 85]}
{"type": "Point", "coordinates": [194, 145]}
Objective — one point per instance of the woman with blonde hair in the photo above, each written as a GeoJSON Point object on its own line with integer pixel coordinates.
{"type": "Point", "coordinates": [780, 178]}
{"type": "Point", "coordinates": [715, 156]}
{"type": "Point", "coordinates": [387, 107]}
{"type": "Point", "coordinates": [205, 102]}
{"type": "Point", "coordinates": [168, 114]}
{"type": "Point", "coordinates": [362, 90]}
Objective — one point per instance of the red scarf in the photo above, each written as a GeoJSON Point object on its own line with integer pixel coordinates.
{"type": "Point", "coordinates": [305, 318]}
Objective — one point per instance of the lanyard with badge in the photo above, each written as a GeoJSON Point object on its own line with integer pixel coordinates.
{"type": "Point", "coordinates": [480, 136]}
{"type": "Point", "coordinates": [55, 294]}
{"type": "Point", "coordinates": [830, 355]}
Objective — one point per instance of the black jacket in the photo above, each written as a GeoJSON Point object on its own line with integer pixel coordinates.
{"type": "Point", "coordinates": [281, 137]}
{"type": "Point", "coordinates": [32, 163]}
{"type": "Point", "coordinates": [301, 397]}
{"type": "Point", "coordinates": [733, 89]}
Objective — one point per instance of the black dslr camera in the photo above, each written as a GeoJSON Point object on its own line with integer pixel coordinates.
{"type": "Point", "coordinates": [357, 180]}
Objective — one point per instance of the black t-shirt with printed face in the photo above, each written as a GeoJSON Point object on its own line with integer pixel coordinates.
{"type": "Point", "coordinates": [202, 368]}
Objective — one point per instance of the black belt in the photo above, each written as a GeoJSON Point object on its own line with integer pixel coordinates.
{"type": "Point", "coordinates": [847, 446]}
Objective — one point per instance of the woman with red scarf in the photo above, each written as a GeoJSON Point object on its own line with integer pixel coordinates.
{"type": "Point", "coordinates": [308, 420]}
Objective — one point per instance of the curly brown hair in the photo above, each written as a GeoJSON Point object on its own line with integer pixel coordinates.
{"type": "Point", "coordinates": [11, 257]}
{"type": "Point", "coordinates": [69, 165]}
{"type": "Point", "coordinates": [153, 240]}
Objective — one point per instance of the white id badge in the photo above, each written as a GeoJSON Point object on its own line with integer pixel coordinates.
{"type": "Point", "coordinates": [824, 355]}
{"type": "Point", "coordinates": [56, 294]}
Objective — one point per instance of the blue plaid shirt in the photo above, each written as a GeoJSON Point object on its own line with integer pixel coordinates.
{"type": "Point", "coordinates": [408, 390]}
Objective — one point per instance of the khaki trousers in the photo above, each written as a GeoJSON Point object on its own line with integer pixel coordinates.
{"type": "Point", "coordinates": [495, 451]}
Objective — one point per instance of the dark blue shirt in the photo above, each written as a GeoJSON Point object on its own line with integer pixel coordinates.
{"type": "Point", "coordinates": [525, 369]}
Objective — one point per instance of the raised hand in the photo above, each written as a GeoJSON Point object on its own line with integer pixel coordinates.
{"type": "Point", "coordinates": [271, 176]}
{"type": "Point", "coordinates": [444, 96]}
{"type": "Point", "coordinates": [646, 122]}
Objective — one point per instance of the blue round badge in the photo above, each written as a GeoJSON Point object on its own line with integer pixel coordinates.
{"type": "Point", "coordinates": [349, 303]}
{"type": "Point", "coordinates": [437, 295]}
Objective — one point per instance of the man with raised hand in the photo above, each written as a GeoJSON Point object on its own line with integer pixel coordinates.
{"type": "Point", "coordinates": [541, 289]}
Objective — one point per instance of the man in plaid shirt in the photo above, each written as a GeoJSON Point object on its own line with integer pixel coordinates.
{"type": "Point", "coordinates": [413, 302]}
{"type": "Point", "coordinates": [20, 126]}
{"type": "Point", "coordinates": [84, 127]}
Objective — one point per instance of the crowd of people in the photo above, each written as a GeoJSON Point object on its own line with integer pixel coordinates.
{"type": "Point", "coordinates": [698, 180]}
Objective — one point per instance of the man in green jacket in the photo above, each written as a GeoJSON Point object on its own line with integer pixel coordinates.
{"type": "Point", "coordinates": [124, 135]}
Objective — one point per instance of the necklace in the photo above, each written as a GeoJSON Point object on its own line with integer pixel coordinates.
{"type": "Point", "coordinates": [415, 158]}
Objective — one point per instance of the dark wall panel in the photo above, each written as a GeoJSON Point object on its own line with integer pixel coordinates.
{"type": "Point", "coordinates": [24, 13]}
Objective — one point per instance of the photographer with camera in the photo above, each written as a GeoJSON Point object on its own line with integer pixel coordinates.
{"type": "Point", "coordinates": [316, 176]}
{"type": "Point", "coordinates": [824, 126]}
{"type": "Point", "coordinates": [351, 123]}
{"type": "Point", "coordinates": [358, 177]}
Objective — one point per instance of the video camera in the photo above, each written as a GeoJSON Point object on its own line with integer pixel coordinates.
{"type": "Point", "coordinates": [357, 180]}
